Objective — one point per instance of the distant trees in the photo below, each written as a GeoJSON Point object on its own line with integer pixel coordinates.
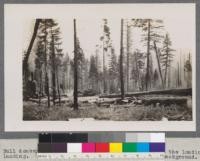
{"type": "Point", "coordinates": [43, 36]}
{"type": "Point", "coordinates": [55, 51]}
{"type": "Point", "coordinates": [137, 71]}
{"type": "Point", "coordinates": [39, 65]}
{"type": "Point", "coordinates": [47, 60]}
{"type": "Point", "coordinates": [93, 74]}
{"type": "Point", "coordinates": [106, 70]}
{"type": "Point", "coordinates": [49, 36]}
{"type": "Point", "coordinates": [66, 74]}
{"type": "Point", "coordinates": [188, 70]}
{"type": "Point", "coordinates": [113, 72]}
{"type": "Point", "coordinates": [166, 58]}
{"type": "Point", "coordinates": [151, 34]}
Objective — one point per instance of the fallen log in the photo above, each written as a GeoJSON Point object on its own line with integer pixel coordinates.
{"type": "Point", "coordinates": [179, 92]}
{"type": "Point", "coordinates": [165, 101]}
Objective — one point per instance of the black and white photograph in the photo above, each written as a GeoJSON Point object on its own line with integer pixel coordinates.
{"type": "Point", "coordinates": [132, 74]}
{"type": "Point", "coordinates": [128, 67]}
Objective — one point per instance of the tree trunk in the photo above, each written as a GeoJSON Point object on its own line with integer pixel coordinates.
{"type": "Point", "coordinates": [75, 70]}
{"type": "Point", "coordinates": [128, 46]}
{"type": "Point", "coordinates": [121, 61]}
{"type": "Point", "coordinates": [53, 71]}
{"type": "Point", "coordinates": [25, 61]}
{"type": "Point", "coordinates": [148, 54]}
{"type": "Point", "coordinates": [46, 70]}
{"type": "Point", "coordinates": [158, 61]}
{"type": "Point", "coordinates": [104, 70]}
{"type": "Point", "coordinates": [137, 72]}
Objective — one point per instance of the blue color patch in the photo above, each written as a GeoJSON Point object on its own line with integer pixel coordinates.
{"type": "Point", "coordinates": [142, 147]}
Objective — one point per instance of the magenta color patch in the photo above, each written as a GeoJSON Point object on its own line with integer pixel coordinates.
{"type": "Point", "coordinates": [88, 147]}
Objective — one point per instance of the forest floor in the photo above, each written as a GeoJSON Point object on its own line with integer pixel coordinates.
{"type": "Point", "coordinates": [107, 109]}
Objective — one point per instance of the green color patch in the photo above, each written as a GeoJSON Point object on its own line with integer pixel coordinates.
{"type": "Point", "coordinates": [129, 147]}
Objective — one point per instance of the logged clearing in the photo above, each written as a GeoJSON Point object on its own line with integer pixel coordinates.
{"type": "Point", "coordinates": [107, 109]}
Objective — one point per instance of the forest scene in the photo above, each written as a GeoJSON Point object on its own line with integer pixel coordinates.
{"type": "Point", "coordinates": [118, 70]}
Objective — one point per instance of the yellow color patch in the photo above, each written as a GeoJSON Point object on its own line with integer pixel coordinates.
{"type": "Point", "coordinates": [115, 147]}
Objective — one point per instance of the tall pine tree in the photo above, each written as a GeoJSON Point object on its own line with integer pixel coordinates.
{"type": "Point", "coordinates": [166, 57]}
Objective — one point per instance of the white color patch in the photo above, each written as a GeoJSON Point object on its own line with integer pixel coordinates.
{"type": "Point", "coordinates": [74, 147]}
{"type": "Point", "coordinates": [157, 137]}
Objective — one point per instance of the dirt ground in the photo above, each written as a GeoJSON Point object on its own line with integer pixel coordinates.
{"type": "Point", "coordinates": [135, 112]}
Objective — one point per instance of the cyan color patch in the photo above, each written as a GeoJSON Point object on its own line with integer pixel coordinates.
{"type": "Point", "coordinates": [142, 147]}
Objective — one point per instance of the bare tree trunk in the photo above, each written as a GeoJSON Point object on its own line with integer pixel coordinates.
{"type": "Point", "coordinates": [128, 46]}
{"type": "Point", "coordinates": [46, 70]}
{"type": "Point", "coordinates": [121, 61]}
{"type": "Point", "coordinates": [138, 71]}
{"type": "Point", "coordinates": [158, 61]}
{"type": "Point", "coordinates": [53, 71]}
{"type": "Point", "coordinates": [148, 54]}
{"type": "Point", "coordinates": [104, 74]}
{"type": "Point", "coordinates": [75, 70]}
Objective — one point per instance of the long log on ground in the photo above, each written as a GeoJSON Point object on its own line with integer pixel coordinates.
{"type": "Point", "coordinates": [179, 92]}
{"type": "Point", "coordinates": [166, 101]}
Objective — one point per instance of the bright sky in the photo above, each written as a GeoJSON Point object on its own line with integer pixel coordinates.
{"type": "Point", "coordinates": [180, 29]}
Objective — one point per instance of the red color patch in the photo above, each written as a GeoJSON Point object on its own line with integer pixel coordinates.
{"type": "Point", "coordinates": [102, 147]}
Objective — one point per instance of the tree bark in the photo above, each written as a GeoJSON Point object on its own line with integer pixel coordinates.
{"type": "Point", "coordinates": [53, 71]}
{"type": "Point", "coordinates": [137, 72]}
{"type": "Point", "coordinates": [75, 70]}
{"type": "Point", "coordinates": [128, 46]}
{"type": "Point", "coordinates": [121, 61]}
{"type": "Point", "coordinates": [46, 70]}
{"type": "Point", "coordinates": [104, 70]}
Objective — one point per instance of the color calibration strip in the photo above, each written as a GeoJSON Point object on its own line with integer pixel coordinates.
{"type": "Point", "coordinates": [84, 143]}
{"type": "Point", "coordinates": [100, 147]}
